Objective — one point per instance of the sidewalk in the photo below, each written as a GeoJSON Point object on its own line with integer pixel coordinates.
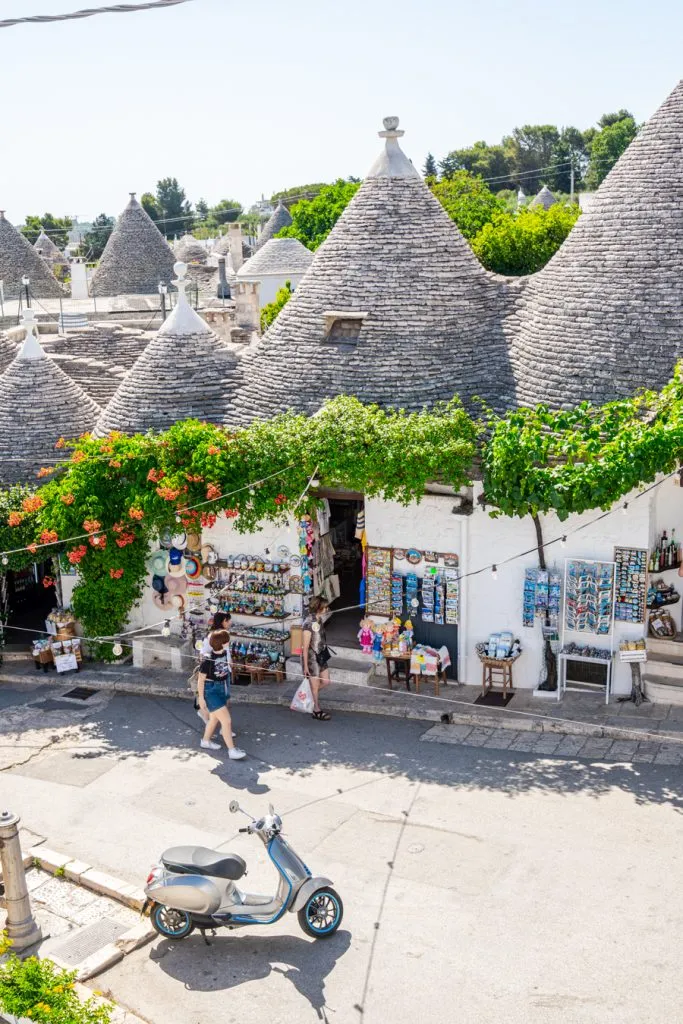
{"type": "Point", "coordinates": [578, 714]}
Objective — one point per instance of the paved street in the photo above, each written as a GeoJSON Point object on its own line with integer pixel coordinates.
{"type": "Point", "coordinates": [482, 881]}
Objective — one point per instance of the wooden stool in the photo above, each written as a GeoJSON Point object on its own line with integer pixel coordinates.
{"type": "Point", "coordinates": [437, 679]}
{"type": "Point", "coordinates": [494, 671]}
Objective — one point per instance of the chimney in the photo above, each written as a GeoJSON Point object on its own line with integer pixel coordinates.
{"type": "Point", "coordinates": [223, 289]}
{"type": "Point", "coordinates": [247, 310]}
{"type": "Point", "coordinates": [235, 238]}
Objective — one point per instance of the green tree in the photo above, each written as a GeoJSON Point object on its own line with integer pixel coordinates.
{"type": "Point", "coordinates": [490, 162]}
{"type": "Point", "coordinates": [95, 240]}
{"type": "Point", "coordinates": [298, 192]}
{"type": "Point", "coordinates": [467, 201]}
{"type": "Point", "coordinates": [56, 227]}
{"type": "Point", "coordinates": [606, 148]}
{"type": "Point", "coordinates": [271, 309]}
{"type": "Point", "coordinates": [430, 170]}
{"type": "Point", "coordinates": [529, 149]}
{"type": "Point", "coordinates": [202, 209]}
{"type": "Point", "coordinates": [618, 115]}
{"type": "Point", "coordinates": [225, 211]}
{"type": "Point", "coordinates": [175, 211]}
{"type": "Point", "coordinates": [522, 244]}
{"type": "Point", "coordinates": [569, 149]}
{"type": "Point", "coordinates": [150, 205]}
{"type": "Point", "coordinates": [313, 219]}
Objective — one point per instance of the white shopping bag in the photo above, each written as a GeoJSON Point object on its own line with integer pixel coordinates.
{"type": "Point", "coordinates": [303, 698]}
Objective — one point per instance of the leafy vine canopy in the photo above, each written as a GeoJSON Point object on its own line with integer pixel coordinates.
{"type": "Point", "coordinates": [106, 502]}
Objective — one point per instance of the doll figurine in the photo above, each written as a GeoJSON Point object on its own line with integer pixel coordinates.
{"type": "Point", "coordinates": [408, 633]}
{"type": "Point", "coordinates": [377, 644]}
{"type": "Point", "coordinates": [365, 636]}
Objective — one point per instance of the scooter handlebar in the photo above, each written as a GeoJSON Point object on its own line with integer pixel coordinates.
{"type": "Point", "coordinates": [244, 830]}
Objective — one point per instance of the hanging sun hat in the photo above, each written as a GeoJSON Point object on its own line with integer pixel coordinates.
{"type": "Point", "coordinates": [159, 584]}
{"type": "Point", "coordinates": [178, 601]}
{"type": "Point", "coordinates": [175, 556]}
{"type": "Point", "coordinates": [176, 568]}
{"type": "Point", "coordinates": [193, 569]}
{"type": "Point", "coordinates": [176, 584]}
{"type": "Point", "coordinates": [206, 550]}
{"type": "Point", "coordinates": [179, 541]}
{"type": "Point", "coordinates": [161, 601]}
{"type": "Point", "coordinates": [156, 563]}
{"type": "Point", "coordinates": [166, 538]}
{"type": "Point", "coordinates": [194, 542]}
{"type": "Point", "coordinates": [209, 572]}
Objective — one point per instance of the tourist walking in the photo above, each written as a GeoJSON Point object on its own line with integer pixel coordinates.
{"type": "Point", "coordinates": [220, 620]}
{"type": "Point", "coordinates": [213, 694]}
{"type": "Point", "coordinates": [315, 653]}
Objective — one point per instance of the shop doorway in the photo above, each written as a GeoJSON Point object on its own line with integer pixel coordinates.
{"type": "Point", "coordinates": [342, 627]}
{"type": "Point", "coordinates": [29, 602]}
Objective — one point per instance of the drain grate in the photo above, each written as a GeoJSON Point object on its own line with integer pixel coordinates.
{"type": "Point", "coordinates": [79, 693]}
{"type": "Point", "coordinates": [86, 941]}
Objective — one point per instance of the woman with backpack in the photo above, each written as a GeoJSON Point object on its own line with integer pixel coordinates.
{"type": "Point", "coordinates": [213, 694]}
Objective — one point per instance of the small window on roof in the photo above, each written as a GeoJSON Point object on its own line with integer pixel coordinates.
{"type": "Point", "coordinates": [343, 327]}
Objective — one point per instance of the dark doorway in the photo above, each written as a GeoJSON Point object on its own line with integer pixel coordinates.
{"type": "Point", "coordinates": [342, 627]}
{"type": "Point", "coordinates": [29, 602]}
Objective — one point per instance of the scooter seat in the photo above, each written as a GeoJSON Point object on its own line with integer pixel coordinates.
{"type": "Point", "coordinates": [199, 860]}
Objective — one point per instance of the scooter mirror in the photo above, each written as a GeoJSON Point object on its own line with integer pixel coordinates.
{"type": "Point", "coordinates": [233, 807]}
{"type": "Point", "coordinates": [271, 809]}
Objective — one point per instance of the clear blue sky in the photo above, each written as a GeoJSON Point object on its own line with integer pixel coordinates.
{"type": "Point", "coordinates": [239, 99]}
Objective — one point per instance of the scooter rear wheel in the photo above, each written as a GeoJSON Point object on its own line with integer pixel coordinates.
{"type": "Point", "coordinates": [172, 924]}
{"type": "Point", "coordinates": [322, 914]}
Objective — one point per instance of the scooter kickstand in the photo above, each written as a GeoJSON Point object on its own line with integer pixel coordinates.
{"type": "Point", "coordinates": [203, 931]}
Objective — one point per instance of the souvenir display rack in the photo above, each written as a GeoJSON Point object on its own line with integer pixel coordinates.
{"type": "Point", "coordinates": [631, 584]}
{"type": "Point", "coordinates": [378, 592]}
{"type": "Point", "coordinates": [542, 595]}
{"type": "Point", "coordinates": [589, 588]}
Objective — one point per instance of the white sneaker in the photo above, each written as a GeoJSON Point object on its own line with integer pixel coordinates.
{"type": "Point", "coordinates": [209, 745]}
{"type": "Point", "coordinates": [236, 754]}
{"type": "Point", "coordinates": [200, 715]}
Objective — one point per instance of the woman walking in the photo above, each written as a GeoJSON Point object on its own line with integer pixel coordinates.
{"type": "Point", "coordinates": [220, 620]}
{"type": "Point", "coordinates": [213, 694]}
{"type": "Point", "coordinates": [315, 654]}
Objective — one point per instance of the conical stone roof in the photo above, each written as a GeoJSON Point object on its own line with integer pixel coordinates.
{"type": "Point", "coordinates": [544, 198]}
{"type": "Point", "coordinates": [605, 315]}
{"type": "Point", "coordinates": [280, 218]}
{"type": "Point", "coordinates": [19, 258]}
{"type": "Point", "coordinates": [136, 257]}
{"type": "Point", "coordinates": [46, 248]}
{"type": "Point", "coordinates": [185, 372]}
{"type": "Point", "coordinates": [38, 405]}
{"type": "Point", "coordinates": [278, 256]}
{"type": "Point", "coordinates": [394, 309]}
{"type": "Point", "coordinates": [188, 250]}
{"type": "Point", "coordinates": [8, 351]}
{"type": "Point", "coordinates": [222, 246]}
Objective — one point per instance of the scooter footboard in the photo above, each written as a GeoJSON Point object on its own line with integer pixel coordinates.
{"type": "Point", "coordinates": [310, 886]}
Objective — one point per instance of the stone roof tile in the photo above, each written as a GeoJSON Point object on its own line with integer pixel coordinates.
{"type": "Point", "coordinates": [136, 257]}
{"type": "Point", "coordinates": [19, 258]}
{"type": "Point", "coordinates": [278, 256]}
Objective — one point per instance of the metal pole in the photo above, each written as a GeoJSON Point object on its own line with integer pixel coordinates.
{"type": "Point", "coordinates": [62, 329]}
{"type": "Point", "coordinates": [571, 178]}
{"type": "Point", "coordinates": [22, 927]}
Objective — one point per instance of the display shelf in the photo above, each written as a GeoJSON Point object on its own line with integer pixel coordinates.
{"type": "Point", "coordinates": [259, 593]}
{"type": "Point", "coordinates": [670, 568]}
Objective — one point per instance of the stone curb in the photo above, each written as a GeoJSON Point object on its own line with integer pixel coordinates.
{"type": "Point", "coordinates": [82, 874]}
{"type": "Point", "coordinates": [515, 721]}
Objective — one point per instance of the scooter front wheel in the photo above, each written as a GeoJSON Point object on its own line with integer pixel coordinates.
{"type": "Point", "coordinates": [322, 914]}
{"type": "Point", "coordinates": [172, 924]}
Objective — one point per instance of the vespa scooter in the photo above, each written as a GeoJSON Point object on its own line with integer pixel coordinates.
{"type": "Point", "coordinates": [194, 887]}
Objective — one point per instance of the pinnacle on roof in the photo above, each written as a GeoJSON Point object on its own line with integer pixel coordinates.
{"type": "Point", "coordinates": [18, 259]}
{"type": "Point", "coordinates": [395, 309]}
{"type": "Point", "coordinates": [189, 250]}
{"type": "Point", "coordinates": [183, 373]}
{"type": "Point", "coordinates": [280, 218]}
{"type": "Point", "coordinates": [605, 316]}
{"type": "Point", "coordinates": [46, 248]}
{"type": "Point", "coordinates": [544, 198]}
{"type": "Point", "coordinates": [39, 404]}
{"type": "Point", "coordinates": [136, 257]}
{"type": "Point", "coordinates": [278, 256]}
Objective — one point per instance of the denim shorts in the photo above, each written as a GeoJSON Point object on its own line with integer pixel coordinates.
{"type": "Point", "coordinates": [217, 694]}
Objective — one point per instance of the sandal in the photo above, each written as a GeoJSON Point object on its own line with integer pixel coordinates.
{"type": "Point", "coordinates": [320, 716]}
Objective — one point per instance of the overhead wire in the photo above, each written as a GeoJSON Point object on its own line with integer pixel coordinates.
{"type": "Point", "coordinates": [90, 12]}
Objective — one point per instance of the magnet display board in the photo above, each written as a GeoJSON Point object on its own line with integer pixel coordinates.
{"type": "Point", "coordinates": [630, 601]}
{"type": "Point", "coordinates": [378, 585]}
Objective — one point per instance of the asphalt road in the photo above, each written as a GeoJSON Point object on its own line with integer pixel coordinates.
{"type": "Point", "coordinates": [480, 884]}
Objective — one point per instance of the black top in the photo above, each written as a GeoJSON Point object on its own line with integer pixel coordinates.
{"type": "Point", "coordinates": [215, 668]}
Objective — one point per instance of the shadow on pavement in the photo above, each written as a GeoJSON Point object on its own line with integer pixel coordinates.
{"type": "Point", "coordinates": [233, 960]}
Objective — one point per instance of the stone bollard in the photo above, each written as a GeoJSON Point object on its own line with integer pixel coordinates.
{"type": "Point", "coordinates": [21, 925]}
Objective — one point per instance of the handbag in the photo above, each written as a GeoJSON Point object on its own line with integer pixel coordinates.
{"type": "Point", "coordinates": [325, 656]}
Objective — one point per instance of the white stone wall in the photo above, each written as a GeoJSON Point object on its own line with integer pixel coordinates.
{"type": "Point", "coordinates": [270, 284]}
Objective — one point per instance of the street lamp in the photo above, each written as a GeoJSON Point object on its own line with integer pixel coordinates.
{"type": "Point", "coordinates": [26, 282]}
{"type": "Point", "coordinates": [163, 292]}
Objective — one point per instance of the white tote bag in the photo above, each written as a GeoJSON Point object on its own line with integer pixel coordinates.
{"type": "Point", "coordinates": [303, 698]}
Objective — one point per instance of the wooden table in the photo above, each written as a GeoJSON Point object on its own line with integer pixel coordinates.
{"type": "Point", "coordinates": [496, 670]}
{"type": "Point", "coordinates": [257, 673]}
{"type": "Point", "coordinates": [400, 661]}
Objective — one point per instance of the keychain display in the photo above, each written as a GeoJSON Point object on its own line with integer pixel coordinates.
{"type": "Point", "coordinates": [631, 584]}
{"type": "Point", "coordinates": [396, 593]}
{"type": "Point", "coordinates": [452, 596]}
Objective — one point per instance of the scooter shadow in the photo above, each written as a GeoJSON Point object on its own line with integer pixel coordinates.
{"type": "Point", "coordinates": [234, 959]}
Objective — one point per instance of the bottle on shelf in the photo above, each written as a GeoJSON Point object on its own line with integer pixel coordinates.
{"type": "Point", "coordinates": [673, 551]}
{"type": "Point", "coordinates": [663, 552]}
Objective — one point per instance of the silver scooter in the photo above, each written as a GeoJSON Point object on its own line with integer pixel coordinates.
{"type": "Point", "coordinates": [194, 887]}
